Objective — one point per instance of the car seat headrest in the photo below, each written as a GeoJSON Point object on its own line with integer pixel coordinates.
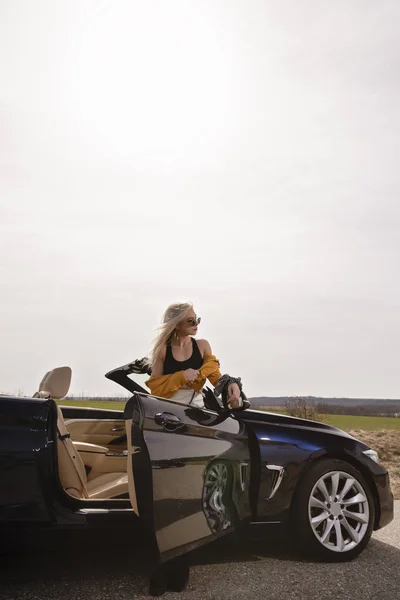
{"type": "Point", "coordinates": [55, 384]}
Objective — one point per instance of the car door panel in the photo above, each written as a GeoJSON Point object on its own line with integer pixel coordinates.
{"type": "Point", "coordinates": [192, 469]}
{"type": "Point", "coordinates": [95, 431]}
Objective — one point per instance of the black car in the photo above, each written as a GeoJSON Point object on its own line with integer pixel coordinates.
{"type": "Point", "coordinates": [189, 474]}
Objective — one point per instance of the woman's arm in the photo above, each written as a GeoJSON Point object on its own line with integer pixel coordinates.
{"type": "Point", "coordinates": [210, 369]}
{"type": "Point", "coordinates": [233, 388]}
{"type": "Point", "coordinates": [166, 385]}
{"type": "Point", "coordinates": [204, 347]}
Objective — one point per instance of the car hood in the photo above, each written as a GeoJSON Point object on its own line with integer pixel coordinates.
{"type": "Point", "coordinates": [261, 416]}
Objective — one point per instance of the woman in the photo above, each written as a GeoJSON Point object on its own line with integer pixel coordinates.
{"type": "Point", "coordinates": [181, 364]}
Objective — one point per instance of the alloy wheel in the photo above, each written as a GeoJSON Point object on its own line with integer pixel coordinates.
{"type": "Point", "coordinates": [338, 511]}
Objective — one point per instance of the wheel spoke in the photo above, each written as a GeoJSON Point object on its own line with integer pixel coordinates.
{"type": "Point", "coordinates": [339, 536]}
{"type": "Point", "coordinates": [357, 499]}
{"type": "Point", "coordinates": [335, 484]}
{"type": "Point", "coordinates": [359, 517]}
{"type": "Point", "coordinates": [353, 534]}
{"type": "Point", "coordinates": [323, 490]}
{"type": "Point", "coordinates": [315, 503]}
{"type": "Point", "coordinates": [215, 500]}
{"type": "Point", "coordinates": [320, 518]}
{"type": "Point", "coordinates": [347, 487]}
{"type": "Point", "coordinates": [327, 532]}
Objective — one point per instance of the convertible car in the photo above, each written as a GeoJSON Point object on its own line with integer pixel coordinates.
{"type": "Point", "coordinates": [189, 474]}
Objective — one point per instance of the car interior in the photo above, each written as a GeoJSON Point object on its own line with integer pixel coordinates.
{"type": "Point", "coordinates": [92, 453]}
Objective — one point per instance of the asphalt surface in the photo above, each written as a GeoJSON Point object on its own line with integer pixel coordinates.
{"type": "Point", "coordinates": [115, 568]}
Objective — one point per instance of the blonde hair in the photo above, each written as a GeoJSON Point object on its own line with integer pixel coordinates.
{"type": "Point", "coordinates": [174, 314]}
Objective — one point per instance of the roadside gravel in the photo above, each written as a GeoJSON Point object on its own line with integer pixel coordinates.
{"type": "Point", "coordinates": [114, 569]}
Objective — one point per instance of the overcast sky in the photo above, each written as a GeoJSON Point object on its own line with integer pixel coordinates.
{"type": "Point", "coordinates": [241, 154]}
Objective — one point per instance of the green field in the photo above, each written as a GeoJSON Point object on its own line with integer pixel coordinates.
{"type": "Point", "coordinates": [93, 404]}
{"type": "Point", "coordinates": [346, 422]}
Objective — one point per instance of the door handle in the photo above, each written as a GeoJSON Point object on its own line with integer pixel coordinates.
{"type": "Point", "coordinates": [169, 421]}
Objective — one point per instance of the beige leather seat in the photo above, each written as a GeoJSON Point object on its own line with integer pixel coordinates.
{"type": "Point", "coordinates": [55, 384]}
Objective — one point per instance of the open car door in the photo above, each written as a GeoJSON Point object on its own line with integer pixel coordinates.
{"type": "Point", "coordinates": [188, 470]}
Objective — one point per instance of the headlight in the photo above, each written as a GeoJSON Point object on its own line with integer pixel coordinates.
{"type": "Point", "coordinates": [372, 454]}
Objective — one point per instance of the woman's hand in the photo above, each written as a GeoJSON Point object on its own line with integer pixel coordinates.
{"type": "Point", "coordinates": [233, 398]}
{"type": "Point", "coordinates": [191, 375]}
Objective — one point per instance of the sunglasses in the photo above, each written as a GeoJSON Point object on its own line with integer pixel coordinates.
{"type": "Point", "coordinates": [193, 322]}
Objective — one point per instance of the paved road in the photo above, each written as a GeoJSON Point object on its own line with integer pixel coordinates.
{"type": "Point", "coordinates": [107, 569]}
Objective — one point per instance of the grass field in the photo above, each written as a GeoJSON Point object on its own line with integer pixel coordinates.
{"type": "Point", "coordinates": [346, 422]}
{"type": "Point", "coordinates": [349, 422]}
{"type": "Point", "coordinates": [93, 404]}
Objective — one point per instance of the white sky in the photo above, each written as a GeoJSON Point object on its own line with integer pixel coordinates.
{"type": "Point", "coordinates": [242, 154]}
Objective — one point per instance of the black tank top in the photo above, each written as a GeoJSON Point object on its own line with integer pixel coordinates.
{"type": "Point", "coordinates": [195, 361]}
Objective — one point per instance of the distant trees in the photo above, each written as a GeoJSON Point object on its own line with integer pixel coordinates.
{"type": "Point", "coordinates": [302, 408]}
{"type": "Point", "coordinates": [366, 410]}
{"type": "Point", "coordinates": [305, 408]}
{"type": "Point", "coordinates": [312, 407]}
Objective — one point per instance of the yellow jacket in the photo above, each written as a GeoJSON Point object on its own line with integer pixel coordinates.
{"type": "Point", "coordinates": [165, 386]}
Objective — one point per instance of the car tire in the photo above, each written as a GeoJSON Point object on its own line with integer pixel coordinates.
{"type": "Point", "coordinates": [333, 511]}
